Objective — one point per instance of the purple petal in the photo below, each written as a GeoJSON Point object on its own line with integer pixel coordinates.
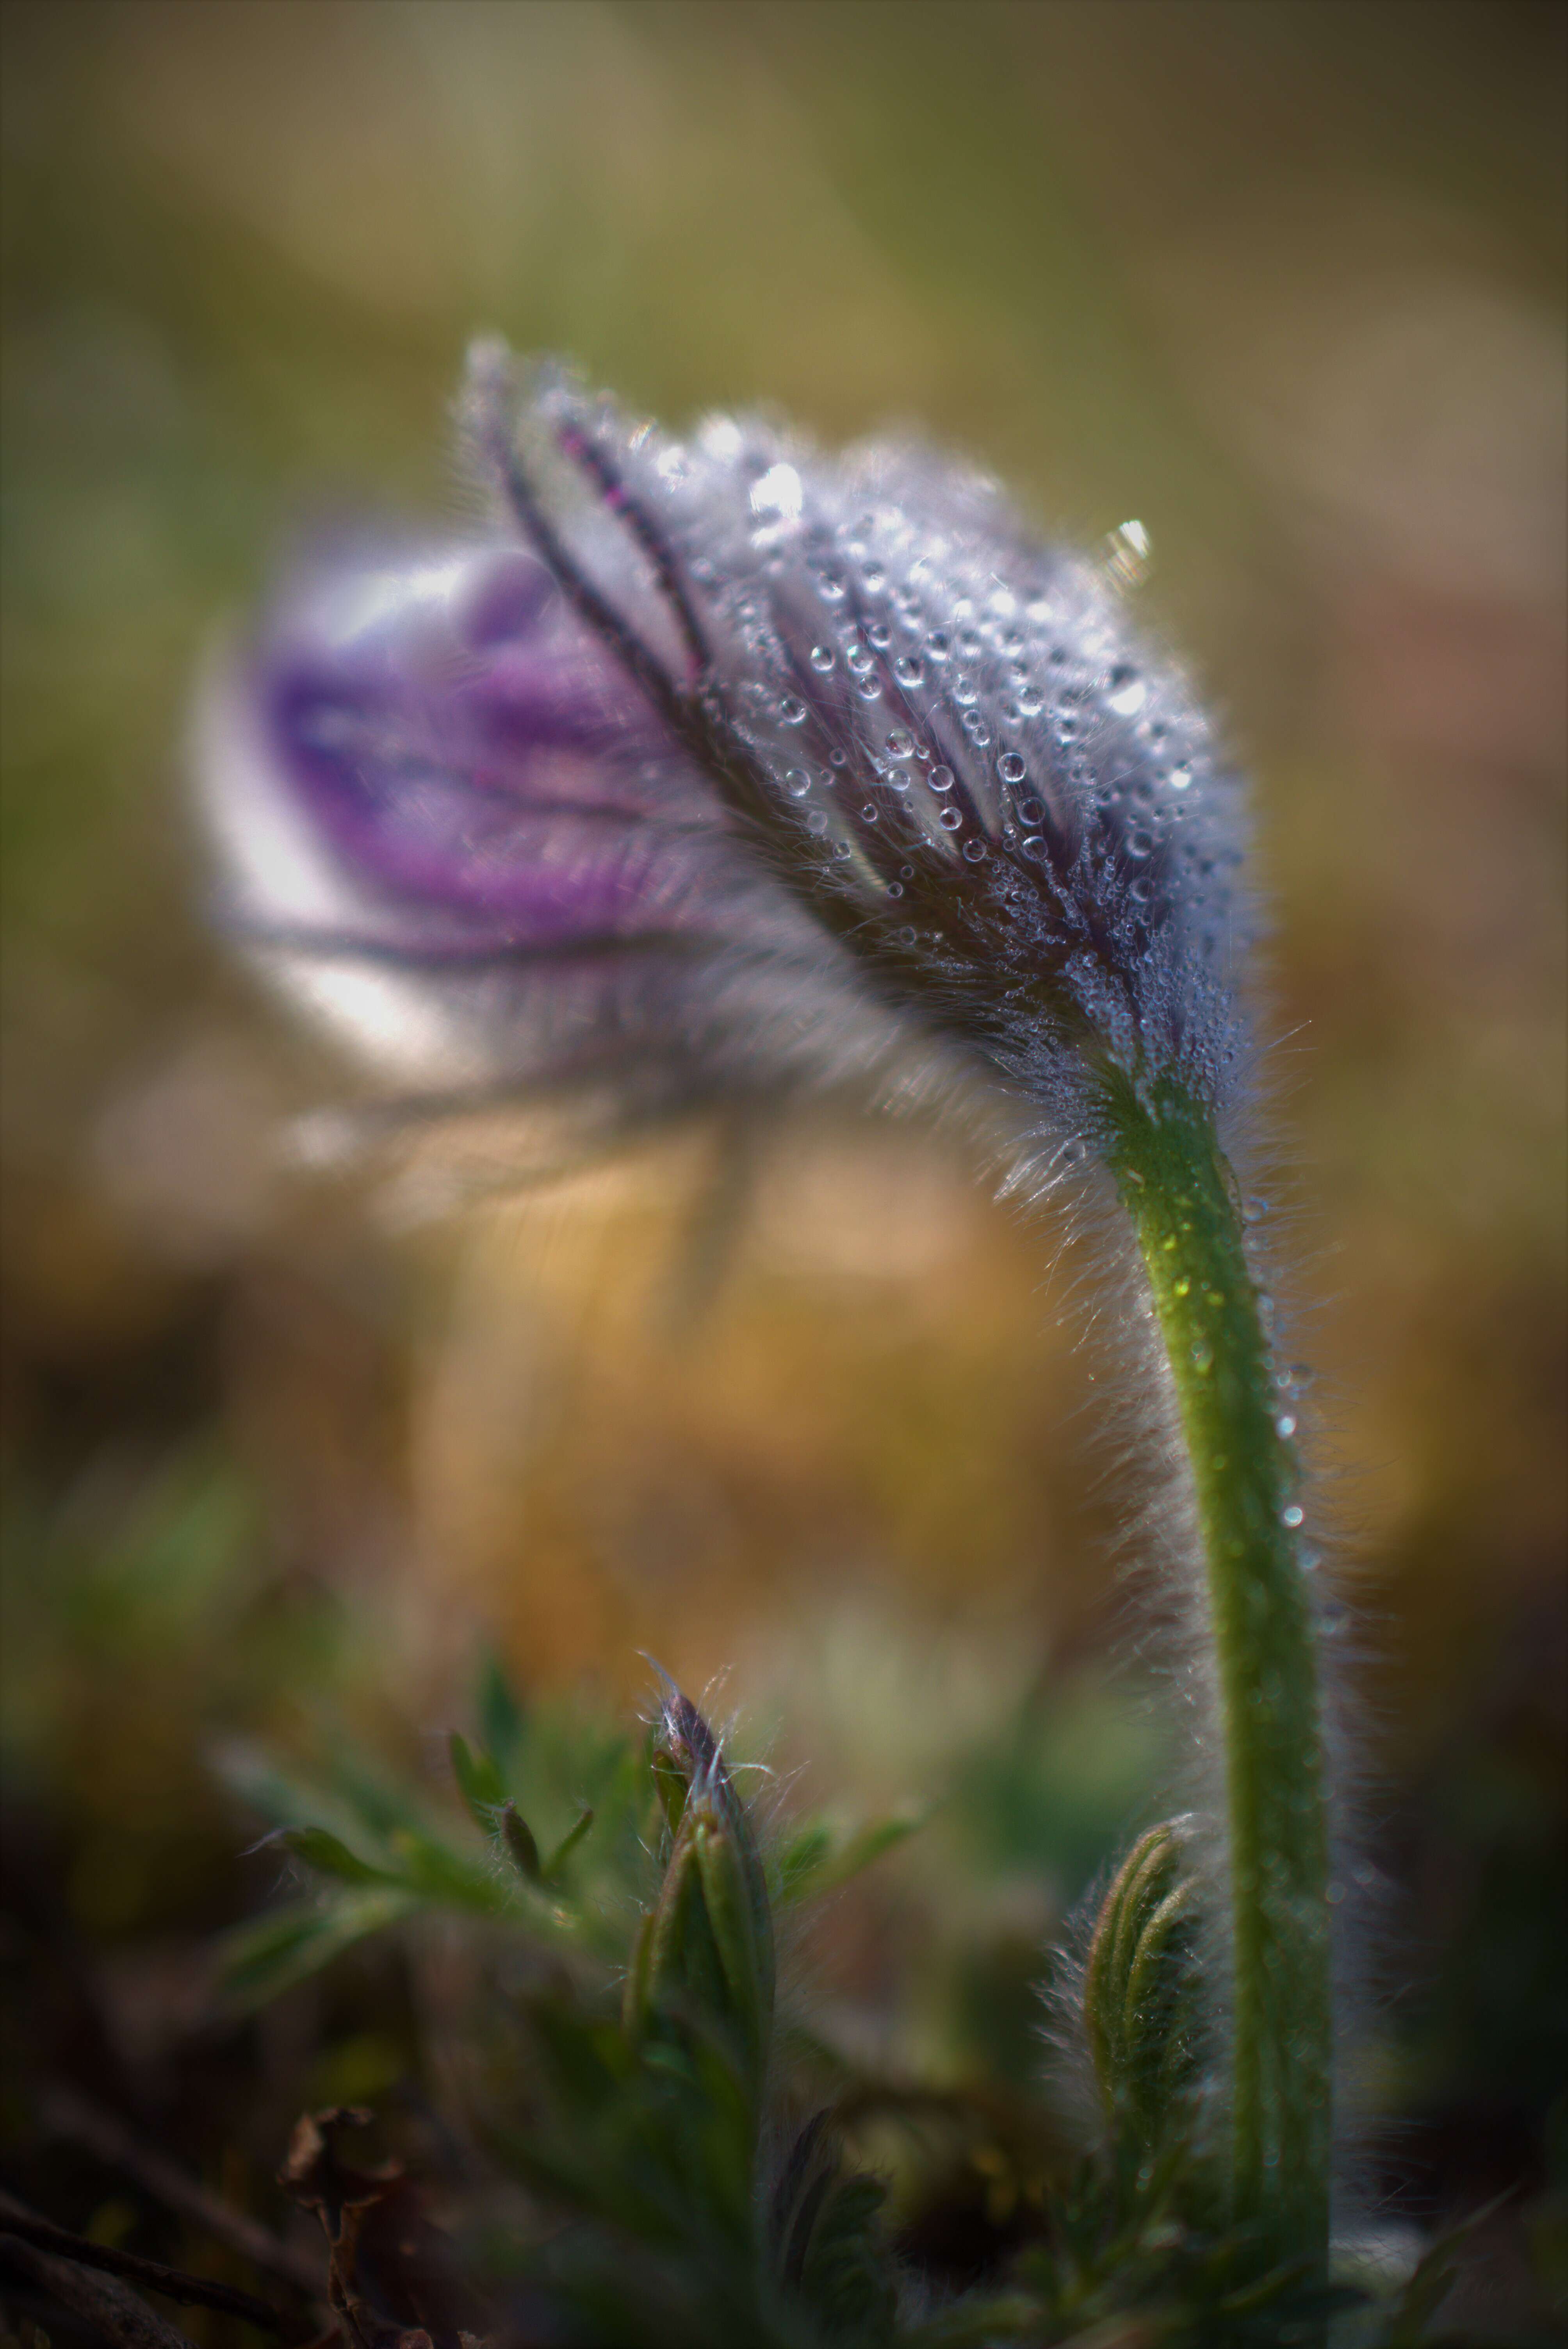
{"type": "Point", "coordinates": [452, 825]}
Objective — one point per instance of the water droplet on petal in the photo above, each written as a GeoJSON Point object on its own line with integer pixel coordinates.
{"type": "Point", "coordinates": [1292, 1517]}
{"type": "Point", "coordinates": [797, 782]}
{"type": "Point", "coordinates": [822, 658]}
{"type": "Point", "coordinates": [908, 670]}
{"type": "Point", "coordinates": [974, 850]}
{"type": "Point", "coordinates": [1127, 690]}
{"type": "Point", "coordinates": [792, 711]}
{"type": "Point", "coordinates": [1011, 768]}
{"type": "Point", "coordinates": [950, 820]}
{"type": "Point", "coordinates": [1284, 1425]}
{"type": "Point", "coordinates": [941, 779]}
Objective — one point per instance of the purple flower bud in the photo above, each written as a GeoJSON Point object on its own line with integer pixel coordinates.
{"type": "Point", "coordinates": [454, 826]}
{"type": "Point", "coordinates": [751, 766]}
{"type": "Point", "coordinates": [941, 734]}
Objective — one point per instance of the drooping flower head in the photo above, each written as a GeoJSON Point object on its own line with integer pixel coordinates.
{"type": "Point", "coordinates": [942, 730]}
{"type": "Point", "coordinates": [723, 760]}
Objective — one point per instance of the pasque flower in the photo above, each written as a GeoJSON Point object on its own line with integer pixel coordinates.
{"type": "Point", "coordinates": [768, 749]}
{"type": "Point", "coordinates": [719, 763]}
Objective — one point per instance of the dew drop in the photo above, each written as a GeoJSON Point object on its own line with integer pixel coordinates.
{"type": "Point", "coordinates": [906, 936]}
{"type": "Point", "coordinates": [1032, 845]}
{"type": "Point", "coordinates": [941, 779]}
{"type": "Point", "coordinates": [1128, 692]}
{"type": "Point", "coordinates": [976, 729]}
{"type": "Point", "coordinates": [964, 691]}
{"type": "Point", "coordinates": [938, 644]}
{"type": "Point", "coordinates": [840, 851]}
{"type": "Point", "coordinates": [908, 669]}
{"type": "Point", "coordinates": [817, 822]}
{"type": "Point", "coordinates": [1202, 1359]}
{"type": "Point", "coordinates": [950, 820]}
{"type": "Point", "coordinates": [1183, 1288]}
{"type": "Point", "coordinates": [1139, 843]}
{"type": "Point", "coordinates": [1011, 768]}
{"type": "Point", "coordinates": [895, 889]}
{"type": "Point", "coordinates": [1141, 892]}
{"type": "Point", "coordinates": [1181, 777]}
{"type": "Point", "coordinates": [1031, 701]}
{"type": "Point", "coordinates": [974, 850]}
{"type": "Point", "coordinates": [869, 688]}
{"type": "Point", "coordinates": [1284, 1425]}
{"type": "Point", "coordinates": [822, 658]}
{"type": "Point", "coordinates": [792, 711]}
{"type": "Point", "coordinates": [1293, 1515]}
{"type": "Point", "coordinates": [898, 744]}
{"type": "Point", "coordinates": [859, 660]}
{"type": "Point", "coordinates": [880, 635]}
{"type": "Point", "coordinates": [797, 782]}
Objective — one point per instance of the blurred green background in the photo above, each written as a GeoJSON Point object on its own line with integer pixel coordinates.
{"type": "Point", "coordinates": [1282, 281]}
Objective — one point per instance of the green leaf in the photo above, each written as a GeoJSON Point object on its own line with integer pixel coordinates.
{"type": "Point", "coordinates": [813, 1863]}
{"type": "Point", "coordinates": [568, 1844]}
{"type": "Point", "coordinates": [260, 1960]}
{"type": "Point", "coordinates": [519, 1839]}
{"type": "Point", "coordinates": [500, 1717]}
{"type": "Point", "coordinates": [479, 1781]}
{"type": "Point", "coordinates": [440, 1874]}
{"type": "Point", "coordinates": [321, 1849]}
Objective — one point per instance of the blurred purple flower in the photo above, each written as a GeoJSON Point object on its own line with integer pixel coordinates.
{"type": "Point", "coordinates": [454, 827]}
{"type": "Point", "coordinates": [747, 766]}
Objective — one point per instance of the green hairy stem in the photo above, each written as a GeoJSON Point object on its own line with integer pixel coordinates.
{"type": "Point", "coordinates": [1179, 1190]}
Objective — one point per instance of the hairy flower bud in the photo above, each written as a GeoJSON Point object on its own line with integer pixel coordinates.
{"type": "Point", "coordinates": [706, 1945]}
{"type": "Point", "coordinates": [1138, 1988]}
{"type": "Point", "coordinates": [940, 733]}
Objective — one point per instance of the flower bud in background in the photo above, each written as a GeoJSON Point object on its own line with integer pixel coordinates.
{"type": "Point", "coordinates": [705, 1951]}
{"type": "Point", "coordinates": [454, 828]}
